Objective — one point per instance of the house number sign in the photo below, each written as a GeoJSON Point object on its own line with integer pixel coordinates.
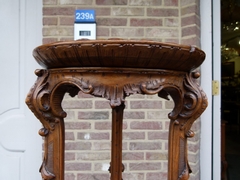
{"type": "Point", "coordinates": [86, 15]}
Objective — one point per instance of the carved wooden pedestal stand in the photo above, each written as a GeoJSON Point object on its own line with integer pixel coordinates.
{"type": "Point", "coordinates": [114, 69]}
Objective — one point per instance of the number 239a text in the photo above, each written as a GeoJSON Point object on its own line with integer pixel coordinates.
{"type": "Point", "coordinates": [84, 16]}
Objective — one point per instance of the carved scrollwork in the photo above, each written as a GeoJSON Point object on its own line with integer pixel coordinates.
{"type": "Point", "coordinates": [185, 173]}
{"type": "Point", "coordinates": [84, 86]}
{"type": "Point", "coordinates": [195, 102]}
{"type": "Point", "coordinates": [152, 87]}
{"type": "Point", "coordinates": [43, 132]}
{"type": "Point", "coordinates": [46, 175]}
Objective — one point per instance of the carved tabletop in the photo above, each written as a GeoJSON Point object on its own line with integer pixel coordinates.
{"type": "Point", "coordinates": [114, 69]}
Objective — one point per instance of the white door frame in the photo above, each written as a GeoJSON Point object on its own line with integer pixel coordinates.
{"type": "Point", "coordinates": [210, 148]}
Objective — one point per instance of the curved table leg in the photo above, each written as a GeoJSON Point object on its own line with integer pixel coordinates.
{"type": "Point", "coordinates": [178, 167]}
{"type": "Point", "coordinates": [53, 152]}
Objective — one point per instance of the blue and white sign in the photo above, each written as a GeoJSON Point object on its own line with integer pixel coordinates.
{"type": "Point", "coordinates": [85, 15]}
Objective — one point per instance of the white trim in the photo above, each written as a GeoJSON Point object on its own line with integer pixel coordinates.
{"type": "Point", "coordinates": [216, 99]}
{"type": "Point", "coordinates": [206, 80]}
{"type": "Point", "coordinates": [210, 148]}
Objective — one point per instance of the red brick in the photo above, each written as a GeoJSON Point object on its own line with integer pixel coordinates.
{"type": "Point", "coordinates": [166, 145]}
{"type": "Point", "coordinates": [77, 145]}
{"type": "Point", "coordinates": [145, 3]}
{"type": "Point", "coordinates": [133, 115]}
{"type": "Point", "coordinates": [127, 11]}
{"type": "Point", "coordinates": [195, 168]}
{"type": "Point", "coordinates": [158, 135]}
{"type": "Point", "coordinates": [146, 125]}
{"type": "Point", "coordinates": [102, 145]}
{"type": "Point", "coordinates": [171, 2]}
{"type": "Point", "coordinates": [145, 104]}
{"type": "Point", "coordinates": [176, 41]}
{"type": "Point", "coordinates": [77, 166]}
{"type": "Point", "coordinates": [193, 9]}
{"type": "Point", "coordinates": [102, 21]}
{"type": "Point", "coordinates": [69, 136]}
{"type": "Point", "coordinates": [187, 2]}
{"type": "Point", "coordinates": [48, 21]}
{"type": "Point", "coordinates": [194, 158]}
{"type": "Point", "coordinates": [196, 125]}
{"type": "Point", "coordinates": [77, 104]}
{"type": "Point", "coordinates": [167, 123]}
{"type": "Point", "coordinates": [145, 22]}
{"type": "Point", "coordinates": [133, 135]}
{"type": "Point", "coordinates": [158, 114]}
{"type": "Point", "coordinates": [67, 21]}
{"type": "Point", "coordinates": [93, 115]}
{"type": "Point", "coordinates": [77, 125]}
{"type": "Point", "coordinates": [69, 156]}
{"type": "Point", "coordinates": [58, 11]}
{"type": "Point", "coordinates": [156, 156]}
{"type": "Point", "coordinates": [66, 39]}
{"type": "Point", "coordinates": [162, 12]}
{"type": "Point", "coordinates": [107, 125]}
{"type": "Point", "coordinates": [49, 40]}
{"type": "Point", "coordinates": [76, 2]}
{"type": "Point", "coordinates": [93, 156]}
{"type": "Point", "coordinates": [156, 175]}
{"type": "Point", "coordinates": [103, 31]}
{"type": "Point", "coordinates": [144, 166]}
{"type": "Point", "coordinates": [169, 104]}
{"type": "Point", "coordinates": [145, 146]}
{"type": "Point", "coordinates": [162, 32]}
{"type": "Point", "coordinates": [171, 22]}
{"type": "Point", "coordinates": [57, 31]}
{"type": "Point", "coordinates": [69, 176]}
{"type": "Point", "coordinates": [133, 176]}
{"type": "Point", "coordinates": [94, 176]}
{"type": "Point", "coordinates": [132, 156]}
{"type": "Point", "coordinates": [192, 30]}
{"type": "Point", "coordinates": [189, 20]}
{"type": "Point", "coordinates": [111, 2]}
{"type": "Point", "coordinates": [103, 11]}
{"type": "Point", "coordinates": [165, 166]}
{"type": "Point", "coordinates": [104, 166]}
{"type": "Point", "coordinates": [103, 104]}
{"type": "Point", "coordinates": [93, 136]}
{"type": "Point", "coordinates": [70, 115]}
{"type": "Point", "coordinates": [191, 41]}
{"type": "Point", "coordinates": [193, 147]}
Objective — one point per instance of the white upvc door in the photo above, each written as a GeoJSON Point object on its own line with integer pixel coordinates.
{"type": "Point", "coordinates": [20, 144]}
{"type": "Point", "coordinates": [210, 148]}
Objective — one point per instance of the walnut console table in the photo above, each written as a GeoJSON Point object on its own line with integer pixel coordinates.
{"type": "Point", "coordinates": [114, 69]}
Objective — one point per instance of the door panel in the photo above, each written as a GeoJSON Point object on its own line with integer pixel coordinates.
{"type": "Point", "coordinates": [20, 144]}
{"type": "Point", "coordinates": [14, 163]}
{"type": "Point", "coordinates": [13, 132]}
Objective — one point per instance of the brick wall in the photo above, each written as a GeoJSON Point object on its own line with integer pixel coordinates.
{"type": "Point", "coordinates": [88, 124]}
